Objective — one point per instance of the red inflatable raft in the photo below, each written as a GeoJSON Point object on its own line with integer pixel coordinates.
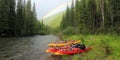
{"type": "Point", "coordinates": [71, 51]}
{"type": "Point", "coordinates": [53, 50]}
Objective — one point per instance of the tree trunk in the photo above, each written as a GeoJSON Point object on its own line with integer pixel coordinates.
{"type": "Point", "coordinates": [102, 12]}
{"type": "Point", "coordinates": [111, 12]}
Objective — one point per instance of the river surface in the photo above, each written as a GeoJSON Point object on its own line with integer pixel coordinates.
{"type": "Point", "coordinates": [25, 48]}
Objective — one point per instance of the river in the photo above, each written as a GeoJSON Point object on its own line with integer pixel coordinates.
{"type": "Point", "coordinates": [25, 48]}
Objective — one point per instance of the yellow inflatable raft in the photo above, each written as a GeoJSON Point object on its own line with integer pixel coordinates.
{"type": "Point", "coordinates": [59, 44]}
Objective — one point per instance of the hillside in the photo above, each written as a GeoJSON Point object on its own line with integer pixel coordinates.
{"type": "Point", "coordinates": [53, 21]}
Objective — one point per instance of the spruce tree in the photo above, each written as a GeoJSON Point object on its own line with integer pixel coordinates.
{"type": "Point", "coordinates": [12, 17]}
{"type": "Point", "coordinates": [34, 20]}
{"type": "Point", "coordinates": [19, 18]}
{"type": "Point", "coordinates": [0, 19]}
{"type": "Point", "coordinates": [4, 17]}
{"type": "Point", "coordinates": [71, 16]}
{"type": "Point", "coordinates": [62, 24]}
{"type": "Point", "coordinates": [28, 17]}
{"type": "Point", "coordinates": [24, 31]}
{"type": "Point", "coordinates": [34, 12]}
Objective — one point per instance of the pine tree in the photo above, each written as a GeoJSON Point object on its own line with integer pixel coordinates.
{"type": "Point", "coordinates": [4, 17]}
{"type": "Point", "coordinates": [0, 19]}
{"type": "Point", "coordinates": [20, 18]}
{"type": "Point", "coordinates": [91, 15]}
{"type": "Point", "coordinates": [34, 12]}
{"type": "Point", "coordinates": [66, 22]}
{"type": "Point", "coordinates": [116, 21]}
{"type": "Point", "coordinates": [68, 17]}
{"type": "Point", "coordinates": [62, 24]}
{"type": "Point", "coordinates": [34, 20]}
{"type": "Point", "coordinates": [82, 15]}
{"type": "Point", "coordinates": [28, 17]}
{"type": "Point", "coordinates": [77, 16]}
{"type": "Point", "coordinates": [12, 17]}
{"type": "Point", "coordinates": [72, 15]}
{"type": "Point", "coordinates": [24, 31]}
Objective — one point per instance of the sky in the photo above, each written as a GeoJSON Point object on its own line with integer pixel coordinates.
{"type": "Point", "coordinates": [46, 8]}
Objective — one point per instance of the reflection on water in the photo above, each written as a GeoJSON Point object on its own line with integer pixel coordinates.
{"type": "Point", "coordinates": [25, 48]}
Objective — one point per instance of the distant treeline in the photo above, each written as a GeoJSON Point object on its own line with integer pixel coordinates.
{"type": "Point", "coordinates": [92, 17]}
{"type": "Point", "coordinates": [18, 18]}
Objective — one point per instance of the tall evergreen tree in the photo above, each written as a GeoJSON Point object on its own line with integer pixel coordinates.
{"type": "Point", "coordinates": [24, 31]}
{"type": "Point", "coordinates": [116, 21]}
{"type": "Point", "coordinates": [28, 17]}
{"type": "Point", "coordinates": [19, 18]}
{"type": "Point", "coordinates": [82, 15]}
{"type": "Point", "coordinates": [4, 17]}
{"type": "Point", "coordinates": [62, 24]}
{"type": "Point", "coordinates": [91, 15]}
{"type": "Point", "coordinates": [72, 15]}
{"type": "Point", "coordinates": [34, 12]}
{"type": "Point", "coordinates": [12, 17]}
{"type": "Point", "coordinates": [66, 22]}
{"type": "Point", "coordinates": [34, 20]}
{"type": "Point", "coordinates": [77, 15]}
{"type": "Point", "coordinates": [68, 17]}
{"type": "Point", "coordinates": [0, 19]}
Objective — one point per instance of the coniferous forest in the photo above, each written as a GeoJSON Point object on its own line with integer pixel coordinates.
{"type": "Point", "coordinates": [96, 23]}
{"type": "Point", "coordinates": [92, 17]}
{"type": "Point", "coordinates": [18, 18]}
{"type": "Point", "coordinates": [93, 24]}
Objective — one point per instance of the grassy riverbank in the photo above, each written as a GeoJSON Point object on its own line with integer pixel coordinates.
{"type": "Point", "coordinates": [105, 47]}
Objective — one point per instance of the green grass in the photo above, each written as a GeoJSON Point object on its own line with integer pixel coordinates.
{"type": "Point", "coordinates": [100, 44]}
{"type": "Point", "coordinates": [53, 21]}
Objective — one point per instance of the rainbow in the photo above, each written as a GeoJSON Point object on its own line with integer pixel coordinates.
{"type": "Point", "coordinates": [59, 8]}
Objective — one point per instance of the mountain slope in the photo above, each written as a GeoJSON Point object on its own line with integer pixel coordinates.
{"type": "Point", "coordinates": [54, 21]}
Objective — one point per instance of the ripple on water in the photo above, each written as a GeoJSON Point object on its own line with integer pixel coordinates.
{"type": "Point", "coordinates": [25, 48]}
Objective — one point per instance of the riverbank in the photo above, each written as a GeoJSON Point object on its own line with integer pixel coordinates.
{"type": "Point", "coordinates": [104, 46]}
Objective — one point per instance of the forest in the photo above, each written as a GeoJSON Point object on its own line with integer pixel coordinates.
{"type": "Point", "coordinates": [96, 23]}
{"type": "Point", "coordinates": [92, 17]}
{"type": "Point", "coordinates": [18, 18]}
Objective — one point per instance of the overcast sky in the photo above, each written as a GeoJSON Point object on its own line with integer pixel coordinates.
{"type": "Point", "coordinates": [47, 8]}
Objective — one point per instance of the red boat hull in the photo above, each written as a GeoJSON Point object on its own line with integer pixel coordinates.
{"type": "Point", "coordinates": [71, 52]}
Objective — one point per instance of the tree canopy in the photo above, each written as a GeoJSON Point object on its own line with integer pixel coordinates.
{"type": "Point", "coordinates": [18, 18]}
{"type": "Point", "coordinates": [93, 17]}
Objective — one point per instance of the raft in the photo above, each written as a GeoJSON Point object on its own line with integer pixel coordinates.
{"type": "Point", "coordinates": [69, 47]}
{"type": "Point", "coordinates": [71, 52]}
{"type": "Point", "coordinates": [67, 50]}
{"type": "Point", "coordinates": [53, 50]}
{"type": "Point", "coordinates": [59, 44]}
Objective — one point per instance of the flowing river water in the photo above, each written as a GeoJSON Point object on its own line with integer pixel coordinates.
{"type": "Point", "coordinates": [25, 48]}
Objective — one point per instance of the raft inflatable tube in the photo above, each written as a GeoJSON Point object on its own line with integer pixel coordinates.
{"type": "Point", "coordinates": [53, 50]}
{"type": "Point", "coordinates": [63, 44]}
{"type": "Point", "coordinates": [56, 44]}
{"type": "Point", "coordinates": [71, 52]}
